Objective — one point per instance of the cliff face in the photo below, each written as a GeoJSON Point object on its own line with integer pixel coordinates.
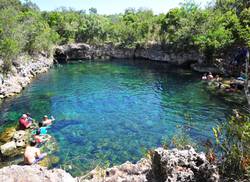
{"type": "Point", "coordinates": [154, 52]}
{"type": "Point", "coordinates": [22, 73]}
{"type": "Point", "coordinates": [162, 165]}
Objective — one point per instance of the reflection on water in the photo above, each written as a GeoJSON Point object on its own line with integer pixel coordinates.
{"type": "Point", "coordinates": [109, 112]}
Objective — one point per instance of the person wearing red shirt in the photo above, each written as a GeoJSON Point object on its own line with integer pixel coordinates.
{"type": "Point", "coordinates": [24, 122]}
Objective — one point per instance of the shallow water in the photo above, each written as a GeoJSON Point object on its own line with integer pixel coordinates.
{"type": "Point", "coordinates": [110, 112]}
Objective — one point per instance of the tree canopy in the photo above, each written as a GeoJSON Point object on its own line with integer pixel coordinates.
{"type": "Point", "coordinates": [24, 28]}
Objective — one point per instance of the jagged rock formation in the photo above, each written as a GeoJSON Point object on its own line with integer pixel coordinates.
{"type": "Point", "coordinates": [21, 74]}
{"type": "Point", "coordinates": [164, 166]}
{"type": "Point", "coordinates": [152, 52]}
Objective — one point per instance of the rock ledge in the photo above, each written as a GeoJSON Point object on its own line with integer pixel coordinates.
{"type": "Point", "coordinates": [162, 166]}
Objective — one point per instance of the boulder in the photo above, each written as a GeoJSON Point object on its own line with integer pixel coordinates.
{"type": "Point", "coordinates": [182, 165]}
{"type": "Point", "coordinates": [8, 148]}
{"type": "Point", "coordinates": [20, 138]}
{"type": "Point", "coordinates": [18, 135]}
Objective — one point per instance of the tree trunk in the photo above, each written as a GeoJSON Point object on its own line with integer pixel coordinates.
{"type": "Point", "coordinates": [247, 81]}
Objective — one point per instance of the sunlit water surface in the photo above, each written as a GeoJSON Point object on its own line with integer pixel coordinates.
{"type": "Point", "coordinates": [110, 112]}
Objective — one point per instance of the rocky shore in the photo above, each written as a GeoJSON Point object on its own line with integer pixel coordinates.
{"type": "Point", "coordinates": [23, 70]}
{"type": "Point", "coordinates": [161, 165]}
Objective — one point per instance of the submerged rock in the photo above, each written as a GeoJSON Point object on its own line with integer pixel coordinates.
{"type": "Point", "coordinates": [49, 161]}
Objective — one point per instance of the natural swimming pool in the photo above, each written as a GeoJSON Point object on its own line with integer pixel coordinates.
{"type": "Point", "coordinates": [108, 112]}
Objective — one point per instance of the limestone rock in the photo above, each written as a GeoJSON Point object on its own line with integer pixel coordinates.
{"type": "Point", "coordinates": [164, 166]}
{"type": "Point", "coordinates": [20, 138]}
{"type": "Point", "coordinates": [125, 172]}
{"type": "Point", "coordinates": [21, 74]}
{"type": "Point", "coordinates": [182, 165]}
{"type": "Point", "coordinates": [8, 147]}
{"type": "Point", "coordinates": [19, 135]}
{"type": "Point", "coordinates": [34, 173]}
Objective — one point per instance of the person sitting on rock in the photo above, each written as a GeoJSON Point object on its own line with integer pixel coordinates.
{"type": "Point", "coordinates": [40, 138]}
{"type": "Point", "coordinates": [204, 77]}
{"type": "Point", "coordinates": [43, 129]}
{"type": "Point", "coordinates": [210, 76]}
{"type": "Point", "coordinates": [32, 155]}
{"type": "Point", "coordinates": [29, 118]}
{"type": "Point", "coordinates": [242, 76]}
{"type": "Point", "coordinates": [46, 121]}
{"type": "Point", "coordinates": [24, 123]}
{"type": "Point", "coordinates": [217, 78]}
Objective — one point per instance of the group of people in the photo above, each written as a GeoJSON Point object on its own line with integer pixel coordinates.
{"type": "Point", "coordinates": [209, 77]}
{"type": "Point", "coordinates": [234, 83]}
{"type": "Point", "coordinates": [32, 153]}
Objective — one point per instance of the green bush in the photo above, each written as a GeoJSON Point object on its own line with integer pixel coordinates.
{"type": "Point", "coordinates": [233, 140]}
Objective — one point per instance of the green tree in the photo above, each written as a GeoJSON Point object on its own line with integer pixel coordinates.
{"type": "Point", "coordinates": [11, 36]}
{"type": "Point", "coordinates": [92, 10]}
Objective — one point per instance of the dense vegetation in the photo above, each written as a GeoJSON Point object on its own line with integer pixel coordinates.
{"type": "Point", "coordinates": [24, 28]}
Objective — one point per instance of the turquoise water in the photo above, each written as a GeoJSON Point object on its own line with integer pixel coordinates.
{"type": "Point", "coordinates": [110, 112]}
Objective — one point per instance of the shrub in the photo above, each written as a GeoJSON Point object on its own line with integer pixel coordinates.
{"type": "Point", "coordinates": [233, 141]}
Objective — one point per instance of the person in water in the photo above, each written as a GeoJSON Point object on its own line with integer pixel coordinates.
{"type": "Point", "coordinates": [46, 121]}
{"type": "Point", "coordinates": [40, 138]}
{"type": "Point", "coordinates": [24, 122]}
{"type": "Point", "coordinates": [32, 155]}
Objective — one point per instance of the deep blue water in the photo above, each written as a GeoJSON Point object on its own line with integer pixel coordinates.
{"type": "Point", "coordinates": [109, 112]}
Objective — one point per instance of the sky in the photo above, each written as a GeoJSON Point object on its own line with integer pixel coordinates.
{"type": "Point", "coordinates": [112, 6]}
